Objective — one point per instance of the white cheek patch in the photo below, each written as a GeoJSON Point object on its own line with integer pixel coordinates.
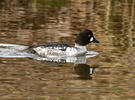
{"type": "Point", "coordinates": [91, 39]}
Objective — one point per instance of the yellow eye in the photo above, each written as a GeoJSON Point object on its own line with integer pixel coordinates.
{"type": "Point", "coordinates": [89, 35]}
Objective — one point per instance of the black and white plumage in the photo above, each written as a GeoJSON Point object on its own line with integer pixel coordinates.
{"type": "Point", "coordinates": [62, 50]}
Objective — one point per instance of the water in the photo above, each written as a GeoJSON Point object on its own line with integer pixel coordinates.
{"type": "Point", "coordinates": [109, 75]}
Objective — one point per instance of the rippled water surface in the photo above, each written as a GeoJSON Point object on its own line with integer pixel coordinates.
{"type": "Point", "coordinates": [109, 75]}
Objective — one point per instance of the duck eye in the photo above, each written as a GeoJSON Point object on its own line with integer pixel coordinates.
{"type": "Point", "coordinates": [89, 35]}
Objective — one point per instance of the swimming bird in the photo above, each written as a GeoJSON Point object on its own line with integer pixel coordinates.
{"type": "Point", "coordinates": [56, 49]}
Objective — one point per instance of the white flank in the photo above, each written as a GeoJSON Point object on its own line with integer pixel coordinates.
{"type": "Point", "coordinates": [53, 52]}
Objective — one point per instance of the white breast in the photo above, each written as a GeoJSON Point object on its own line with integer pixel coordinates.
{"type": "Point", "coordinates": [75, 51]}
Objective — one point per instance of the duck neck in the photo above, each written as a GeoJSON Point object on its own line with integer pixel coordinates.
{"type": "Point", "coordinates": [80, 47]}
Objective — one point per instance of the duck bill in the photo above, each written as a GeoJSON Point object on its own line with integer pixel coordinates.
{"type": "Point", "coordinates": [95, 41]}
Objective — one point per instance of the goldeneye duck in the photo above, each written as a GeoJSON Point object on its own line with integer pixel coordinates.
{"type": "Point", "coordinates": [64, 50]}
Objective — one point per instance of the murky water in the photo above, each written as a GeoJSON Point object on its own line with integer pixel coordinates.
{"type": "Point", "coordinates": [109, 75]}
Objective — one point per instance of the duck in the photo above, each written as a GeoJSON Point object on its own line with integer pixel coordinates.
{"type": "Point", "coordinates": [58, 49]}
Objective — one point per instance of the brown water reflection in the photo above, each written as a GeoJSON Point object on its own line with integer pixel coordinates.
{"type": "Point", "coordinates": [32, 22]}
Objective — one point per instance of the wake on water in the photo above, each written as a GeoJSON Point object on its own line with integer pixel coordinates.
{"type": "Point", "coordinates": [13, 50]}
{"type": "Point", "coordinates": [14, 46]}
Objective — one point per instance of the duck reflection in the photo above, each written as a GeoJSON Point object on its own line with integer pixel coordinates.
{"type": "Point", "coordinates": [84, 71]}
